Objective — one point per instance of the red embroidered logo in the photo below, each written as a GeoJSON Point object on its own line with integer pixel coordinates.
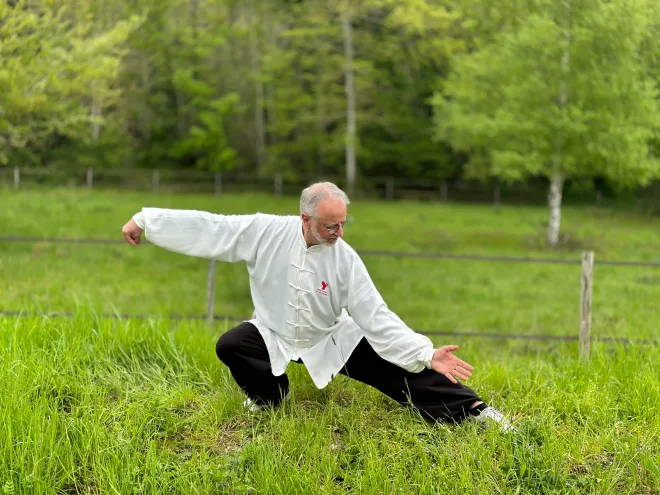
{"type": "Point", "coordinates": [324, 285]}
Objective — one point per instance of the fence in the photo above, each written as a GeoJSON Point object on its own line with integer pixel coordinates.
{"type": "Point", "coordinates": [388, 188]}
{"type": "Point", "coordinates": [587, 263]}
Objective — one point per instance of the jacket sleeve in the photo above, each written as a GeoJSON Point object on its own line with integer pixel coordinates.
{"type": "Point", "coordinates": [202, 234]}
{"type": "Point", "coordinates": [390, 337]}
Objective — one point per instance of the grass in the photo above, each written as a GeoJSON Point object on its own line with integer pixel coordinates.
{"type": "Point", "coordinates": [107, 406]}
{"type": "Point", "coordinates": [97, 405]}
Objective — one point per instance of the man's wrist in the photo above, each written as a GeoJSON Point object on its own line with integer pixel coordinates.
{"type": "Point", "coordinates": [427, 357]}
{"type": "Point", "coordinates": [138, 218]}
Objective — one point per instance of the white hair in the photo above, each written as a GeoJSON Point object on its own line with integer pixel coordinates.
{"type": "Point", "coordinates": [314, 194]}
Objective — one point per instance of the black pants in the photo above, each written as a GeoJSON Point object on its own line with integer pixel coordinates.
{"type": "Point", "coordinates": [243, 350]}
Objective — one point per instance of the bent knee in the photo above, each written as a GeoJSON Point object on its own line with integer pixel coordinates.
{"type": "Point", "coordinates": [225, 347]}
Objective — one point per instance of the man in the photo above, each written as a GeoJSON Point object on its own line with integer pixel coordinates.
{"type": "Point", "coordinates": [314, 304]}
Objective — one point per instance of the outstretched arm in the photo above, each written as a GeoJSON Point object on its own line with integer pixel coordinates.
{"type": "Point", "coordinates": [199, 233]}
{"type": "Point", "coordinates": [391, 338]}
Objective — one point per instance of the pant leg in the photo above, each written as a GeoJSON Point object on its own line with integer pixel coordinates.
{"type": "Point", "coordinates": [436, 398]}
{"type": "Point", "coordinates": [244, 352]}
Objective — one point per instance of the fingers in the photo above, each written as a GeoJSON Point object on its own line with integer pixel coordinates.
{"type": "Point", "coordinates": [456, 361]}
{"type": "Point", "coordinates": [463, 364]}
{"type": "Point", "coordinates": [450, 378]}
{"type": "Point", "coordinates": [129, 239]}
{"type": "Point", "coordinates": [461, 373]}
{"type": "Point", "coordinates": [456, 368]}
{"type": "Point", "coordinates": [457, 373]}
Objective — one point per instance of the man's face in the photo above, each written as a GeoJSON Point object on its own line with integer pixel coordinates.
{"type": "Point", "coordinates": [327, 225]}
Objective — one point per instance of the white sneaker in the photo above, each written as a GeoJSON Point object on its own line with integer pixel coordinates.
{"type": "Point", "coordinates": [493, 414]}
{"type": "Point", "coordinates": [252, 406]}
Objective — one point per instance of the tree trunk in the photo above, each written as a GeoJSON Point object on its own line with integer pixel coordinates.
{"type": "Point", "coordinates": [96, 117]}
{"type": "Point", "coordinates": [321, 125]}
{"type": "Point", "coordinates": [190, 112]}
{"type": "Point", "coordinates": [554, 205]}
{"type": "Point", "coordinates": [146, 86]}
{"type": "Point", "coordinates": [350, 102]}
{"type": "Point", "coordinates": [192, 12]}
{"type": "Point", "coordinates": [270, 114]}
{"type": "Point", "coordinates": [97, 104]}
{"type": "Point", "coordinates": [181, 121]}
{"type": "Point", "coordinates": [557, 178]}
{"type": "Point", "coordinates": [272, 42]}
{"type": "Point", "coordinates": [255, 57]}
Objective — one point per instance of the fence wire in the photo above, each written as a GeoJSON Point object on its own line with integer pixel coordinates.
{"type": "Point", "coordinates": [365, 252]}
{"type": "Point", "coordinates": [371, 252]}
{"type": "Point", "coordinates": [452, 333]}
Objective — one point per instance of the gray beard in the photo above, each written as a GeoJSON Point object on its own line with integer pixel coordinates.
{"type": "Point", "coordinates": [317, 237]}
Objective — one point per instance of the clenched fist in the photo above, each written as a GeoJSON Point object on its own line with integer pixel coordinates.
{"type": "Point", "coordinates": [132, 233]}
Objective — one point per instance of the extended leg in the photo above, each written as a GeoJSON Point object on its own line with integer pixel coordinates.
{"type": "Point", "coordinates": [431, 393]}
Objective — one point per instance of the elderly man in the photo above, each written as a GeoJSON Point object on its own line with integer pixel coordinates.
{"type": "Point", "coordinates": [314, 304]}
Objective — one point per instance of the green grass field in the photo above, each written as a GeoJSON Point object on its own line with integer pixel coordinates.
{"type": "Point", "coordinates": [97, 405]}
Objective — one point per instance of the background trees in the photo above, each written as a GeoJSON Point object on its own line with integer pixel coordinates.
{"type": "Point", "coordinates": [422, 89]}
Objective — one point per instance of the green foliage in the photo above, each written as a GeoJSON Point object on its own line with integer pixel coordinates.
{"type": "Point", "coordinates": [177, 111]}
{"type": "Point", "coordinates": [51, 67]}
{"type": "Point", "coordinates": [259, 86]}
{"type": "Point", "coordinates": [502, 103]}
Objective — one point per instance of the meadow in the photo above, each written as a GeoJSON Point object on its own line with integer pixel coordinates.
{"type": "Point", "coordinates": [100, 405]}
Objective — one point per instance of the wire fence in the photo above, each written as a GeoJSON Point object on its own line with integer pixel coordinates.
{"type": "Point", "coordinates": [371, 252]}
{"type": "Point", "coordinates": [490, 191]}
{"type": "Point", "coordinates": [219, 318]}
{"type": "Point", "coordinates": [584, 337]}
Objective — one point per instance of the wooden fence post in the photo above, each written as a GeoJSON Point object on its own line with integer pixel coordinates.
{"type": "Point", "coordinates": [218, 184]}
{"type": "Point", "coordinates": [389, 189]}
{"type": "Point", "coordinates": [90, 177]}
{"type": "Point", "coordinates": [585, 307]}
{"type": "Point", "coordinates": [17, 177]}
{"type": "Point", "coordinates": [210, 293]}
{"type": "Point", "coordinates": [278, 185]}
{"type": "Point", "coordinates": [443, 190]}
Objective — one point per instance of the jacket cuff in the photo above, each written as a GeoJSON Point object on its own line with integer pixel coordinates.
{"type": "Point", "coordinates": [139, 219]}
{"type": "Point", "coordinates": [427, 356]}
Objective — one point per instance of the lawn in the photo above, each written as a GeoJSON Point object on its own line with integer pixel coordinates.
{"type": "Point", "coordinates": [98, 405]}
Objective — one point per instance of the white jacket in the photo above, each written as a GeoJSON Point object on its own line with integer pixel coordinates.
{"type": "Point", "coordinates": [302, 296]}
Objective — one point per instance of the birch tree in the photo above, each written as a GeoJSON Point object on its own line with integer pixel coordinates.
{"type": "Point", "coordinates": [563, 95]}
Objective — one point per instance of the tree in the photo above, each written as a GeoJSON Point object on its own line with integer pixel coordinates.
{"type": "Point", "coordinates": [51, 70]}
{"type": "Point", "coordinates": [564, 94]}
{"type": "Point", "coordinates": [411, 44]}
{"type": "Point", "coordinates": [303, 71]}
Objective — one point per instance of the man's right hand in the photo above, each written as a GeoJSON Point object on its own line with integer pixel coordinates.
{"type": "Point", "coordinates": [132, 233]}
{"type": "Point", "coordinates": [446, 363]}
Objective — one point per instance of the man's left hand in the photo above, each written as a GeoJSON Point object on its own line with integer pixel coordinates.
{"type": "Point", "coordinates": [449, 365]}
